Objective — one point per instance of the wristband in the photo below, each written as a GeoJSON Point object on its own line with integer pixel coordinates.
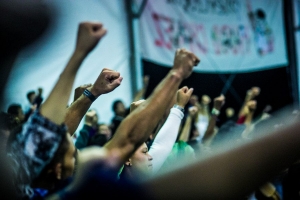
{"type": "Point", "coordinates": [179, 107]}
{"type": "Point", "coordinates": [87, 93]}
{"type": "Point", "coordinates": [215, 112]}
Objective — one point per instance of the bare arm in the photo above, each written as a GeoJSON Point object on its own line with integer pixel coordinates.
{"type": "Point", "coordinates": [184, 135]}
{"type": "Point", "coordinates": [218, 103]}
{"type": "Point", "coordinates": [137, 126]}
{"type": "Point", "coordinates": [107, 81]}
{"type": "Point", "coordinates": [88, 37]}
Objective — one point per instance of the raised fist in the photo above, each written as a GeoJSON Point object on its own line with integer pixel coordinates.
{"type": "Point", "coordinates": [88, 36]}
{"type": "Point", "coordinates": [183, 96]}
{"type": "Point", "coordinates": [184, 62]}
{"type": "Point", "coordinates": [219, 102]}
{"type": "Point", "coordinates": [251, 105]}
{"type": "Point", "coordinates": [252, 93]}
{"type": "Point", "coordinates": [205, 100]}
{"type": "Point", "coordinates": [146, 80]}
{"type": "Point", "coordinates": [193, 111]}
{"type": "Point", "coordinates": [107, 81]}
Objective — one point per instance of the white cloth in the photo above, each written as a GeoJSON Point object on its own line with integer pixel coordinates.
{"type": "Point", "coordinates": [202, 125]}
{"type": "Point", "coordinates": [165, 139]}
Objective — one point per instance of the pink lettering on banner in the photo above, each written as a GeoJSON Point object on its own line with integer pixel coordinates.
{"type": "Point", "coordinates": [160, 23]}
{"type": "Point", "coordinates": [173, 34]}
{"type": "Point", "coordinates": [224, 39]}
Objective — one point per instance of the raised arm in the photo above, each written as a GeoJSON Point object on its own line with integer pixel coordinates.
{"type": "Point", "coordinates": [107, 81]}
{"type": "Point", "coordinates": [138, 125]}
{"type": "Point", "coordinates": [166, 137]}
{"type": "Point", "coordinates": [218, 103]}
{"type": "Point", "coordinates": [88, 37]}
{"type": "Point", "coordinates": [185, 133]}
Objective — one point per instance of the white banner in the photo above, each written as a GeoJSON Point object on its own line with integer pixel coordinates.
{"type": "Point", "coordinates": [227, 35]}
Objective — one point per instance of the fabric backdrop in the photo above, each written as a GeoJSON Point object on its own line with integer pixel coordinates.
{"type": "Point", "coordinates": [228, 35]}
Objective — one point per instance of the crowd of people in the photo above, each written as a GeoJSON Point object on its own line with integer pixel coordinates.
{"type": "Point", "coordinates": [166, 146]}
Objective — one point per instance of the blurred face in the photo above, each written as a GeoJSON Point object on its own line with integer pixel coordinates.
{"type": "Point", "coordinates": [120, 109]}
{"type": "Point", "coordinates": [141, 160]}
{"type": "Point", "coordinates": [31, 98]}
{"type": "Point", "coordinates": [69, 159]}
{"type": "Point", "coordinates": [193, 100]}
{"type": "Point", "coordinates": [21, 115]}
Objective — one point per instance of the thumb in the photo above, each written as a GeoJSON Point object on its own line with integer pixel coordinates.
{"type": "Point", "coordinates": [117, 82]}
{"type": "Point", "coordinates": [190, 91]}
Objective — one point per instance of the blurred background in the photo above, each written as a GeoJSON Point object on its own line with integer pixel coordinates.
{"type": "Point", "coordinates": [241, 44]}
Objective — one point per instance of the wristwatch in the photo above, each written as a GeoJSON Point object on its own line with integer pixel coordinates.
{"type": "Point", "coordinates": [179, 107]}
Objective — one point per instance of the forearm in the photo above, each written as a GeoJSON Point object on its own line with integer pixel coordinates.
{"type": "Point", "coordinates": [184, 136]}
{"type": "Point", "coordinates": [137, 126]}
{"type": "Point", "coordinates": [54, 107]}
{"type": "Point", "coordinates": [76, 112]}
{"type": "Point", "coordinates": [165, 139]}
{"type": "Point", "coordinates": [233, 176]}
{"type": "Point", "coordinates": [210, 128]}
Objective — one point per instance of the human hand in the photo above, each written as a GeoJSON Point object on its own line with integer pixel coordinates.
{"type": "Point", "coordinates": [107, 81]}
{"type": "Point", "coordinates": [183, 96]}
{"type": "Point", "coordinates": [146, 80]}
{"type": "Point", "coordinates": [79, 90]}
{"type": "Point", "coordinates": [253, 92]}
{"type": "Point", "coordinates": [193, 111]}
{"type": "Point", "coordinates": [91, 117]}
{"type": "Point", "coordinates": [251, 105]}
{"type": "Point", "coordinates": [184, 62]}
{"type": "Point", "coordinates": [219, 102]}
{"type": "Point", "coordinates": [88, 36]}
{"type": "Point", "coordinates": [205, 100]}
{"type": "Point", "coordinates": [135, 104]}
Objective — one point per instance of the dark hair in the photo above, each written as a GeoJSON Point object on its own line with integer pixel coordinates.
{"type": "Point", "coordinates": [260, 14]}
{"type": "Point", "coordinates": [31, 92]}
{"type": "Point", "coordinates": [13, 109]}
{"type": "Point", "coordinates": [7, 121]}
{"type": "Point", "coordinates": [115, 104]}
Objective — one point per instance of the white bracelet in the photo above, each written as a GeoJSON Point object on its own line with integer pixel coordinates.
{"type": "Point", "coordinates": [215, 112]}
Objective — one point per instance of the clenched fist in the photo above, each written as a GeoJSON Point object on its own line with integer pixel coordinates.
{"type": "Point", "coordinates": [107, 81]}
{"type": "Point", "coordinates": [184, 62]}
{"type": "Point", "coordinates": [88, 36]}
{"type": "Point", "coordinates": [183, 96]}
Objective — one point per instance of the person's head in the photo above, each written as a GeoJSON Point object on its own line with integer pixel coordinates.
{"type": "Point", "coordinates": [16, 111]}
{"type": "Point", "coordinates": [104, 130]}
{"type": "Point", "coordinates": [62, 165]}
{"type": "Point", "coordinates": [119, 108]}
{"type": "Point", "coordinates": [139, 165]}
{"type": "Point", "coordinates": [260, 14]}
{"type": "Point", "coordinates": [229, 112]}
{"type": "Point", "coordinates": [7, 124]}
{"type": "Point", "coordinates": [31, 96]}
{"type": "Point", "coordinates": [193, 100]}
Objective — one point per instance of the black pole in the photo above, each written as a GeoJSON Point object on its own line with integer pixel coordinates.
{"type": "Point", "coordinates": [291, 69]}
